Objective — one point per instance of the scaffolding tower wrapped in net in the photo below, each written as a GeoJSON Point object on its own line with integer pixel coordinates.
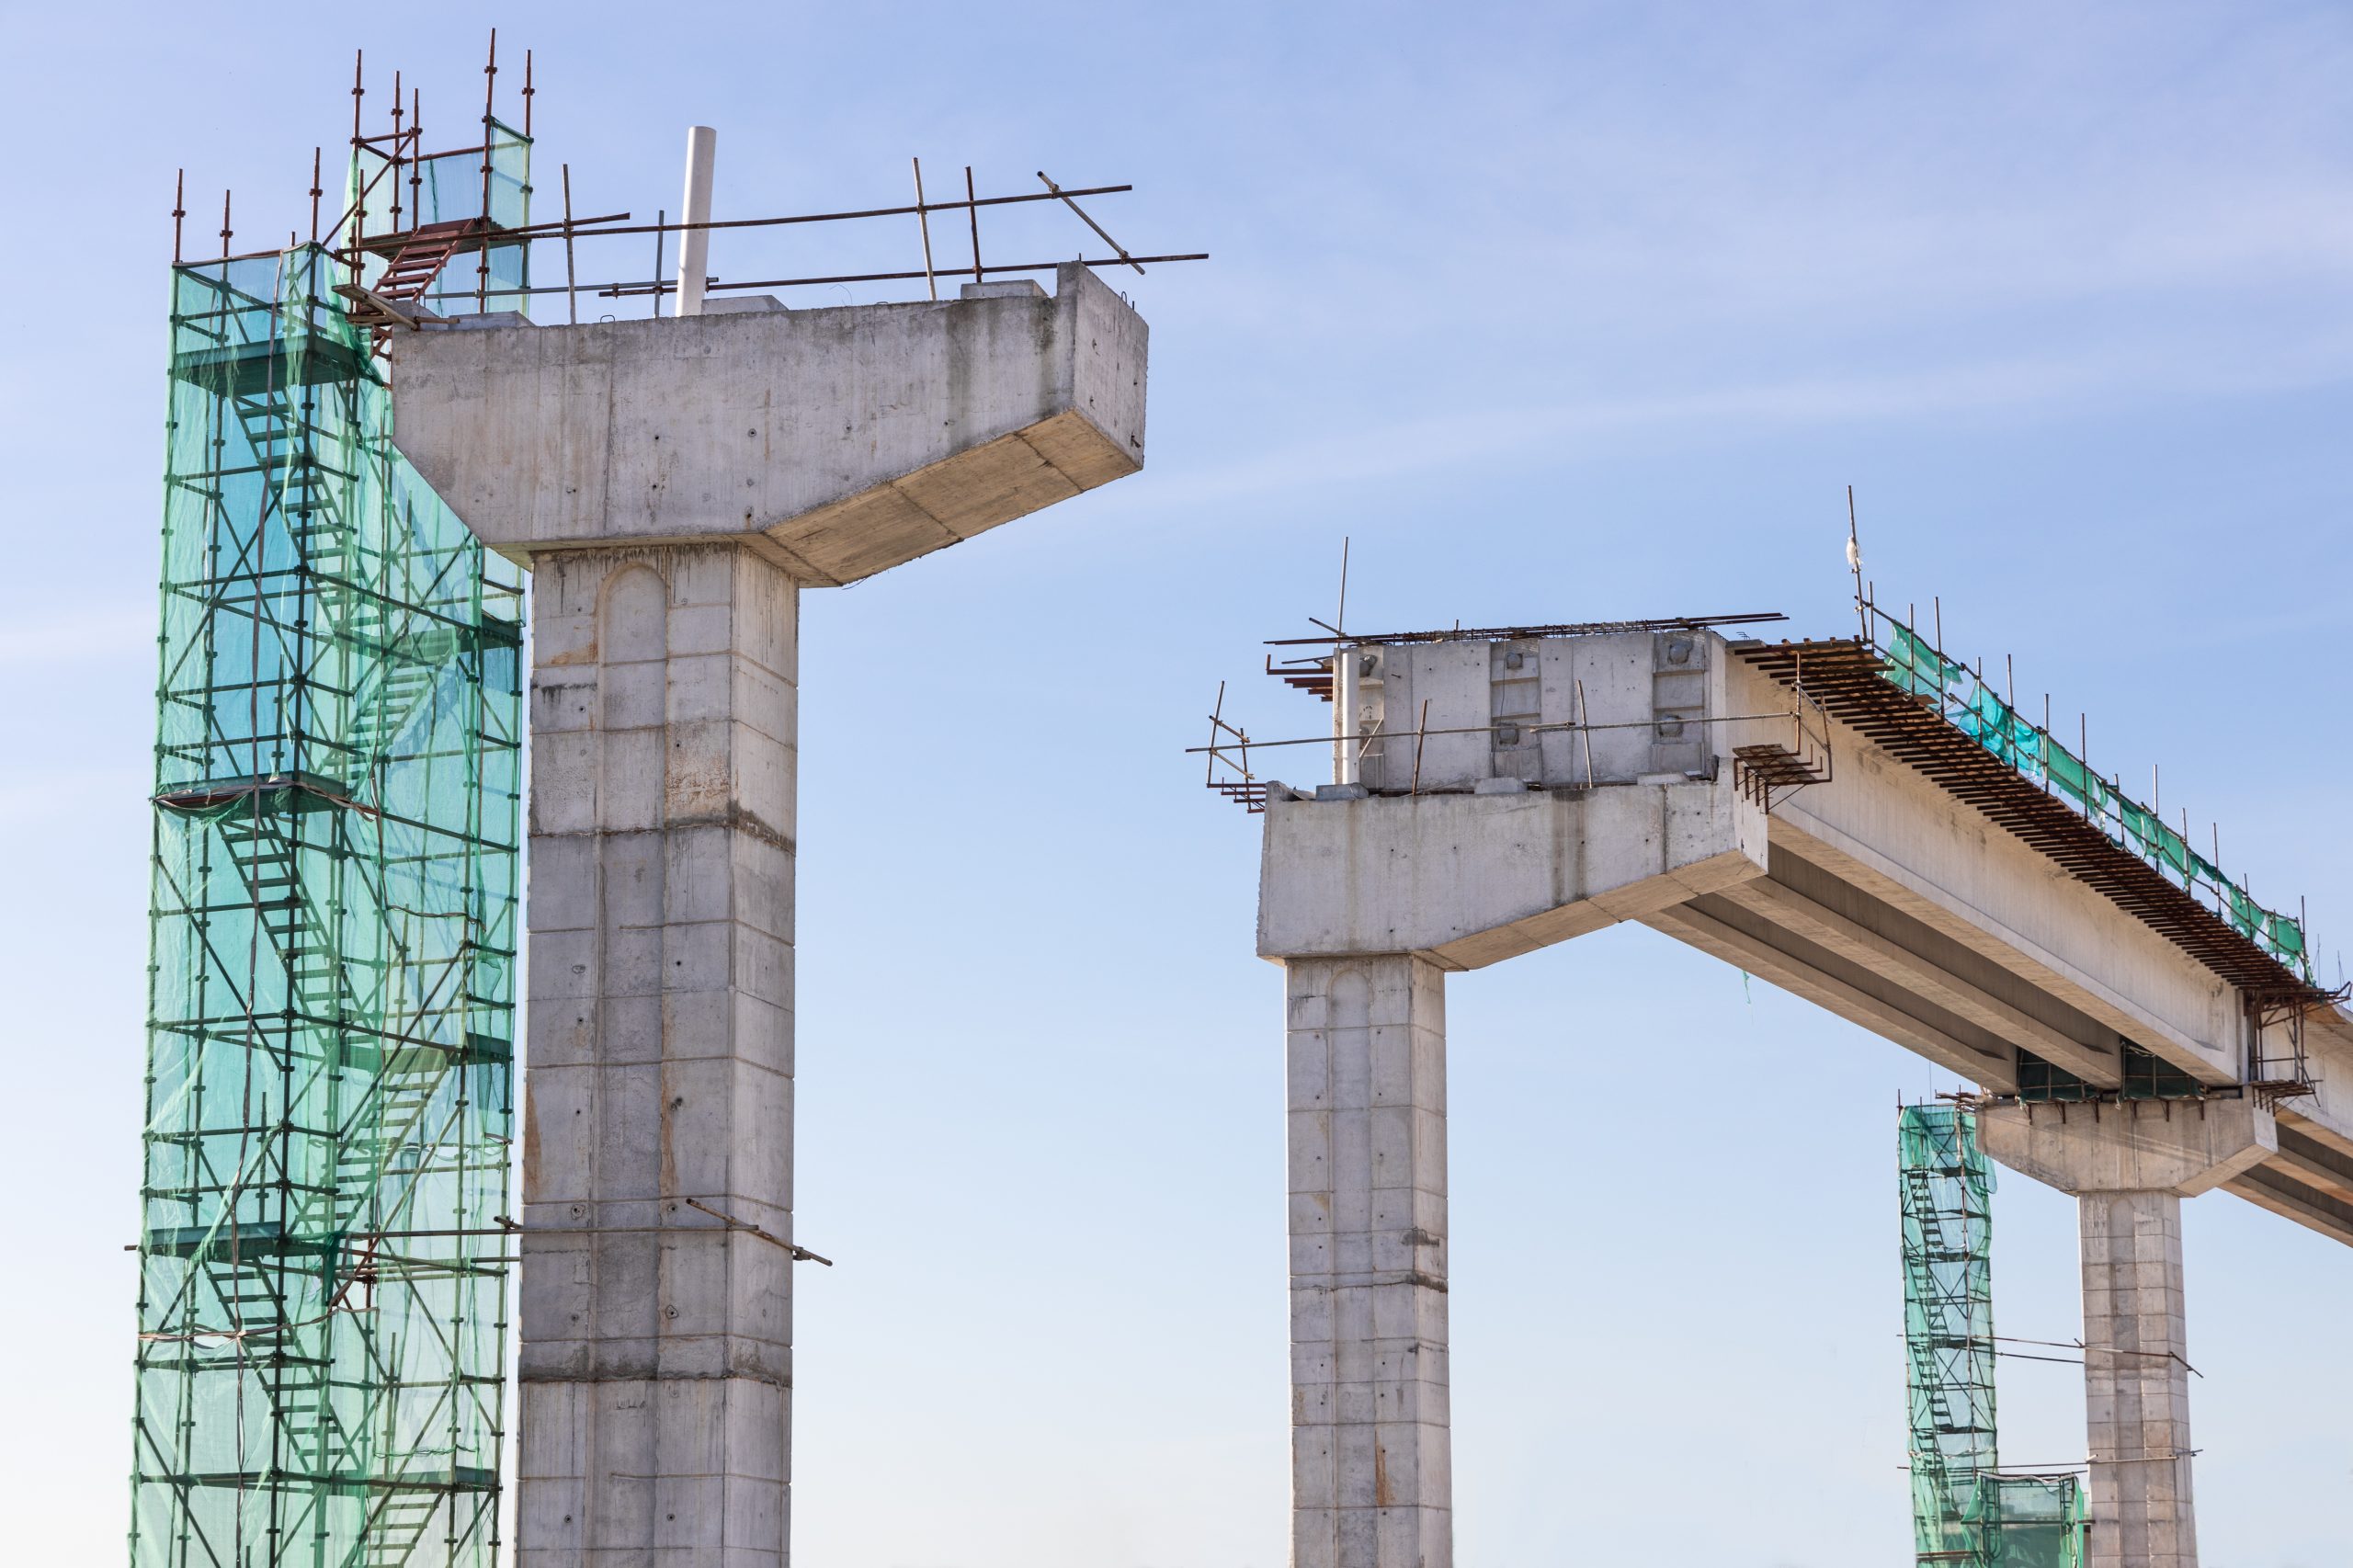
{"type": "Point", "coordinates": [329, 1092]}
{"type": "Point", "coordinates": [1965, 1513]}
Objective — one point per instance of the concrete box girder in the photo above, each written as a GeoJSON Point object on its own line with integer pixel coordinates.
{"type": "Point", "coordinates": [1891, 830]}
{"type": "Point", "coordinates": [1773, 900]}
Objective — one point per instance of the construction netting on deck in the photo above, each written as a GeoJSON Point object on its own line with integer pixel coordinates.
{"type": "Point", "coordinates": [1968, 703]}
{"type": "Point", "coordinates": [323, 1286]}
{"type": "Point", "coordinates": [1964, 1512]}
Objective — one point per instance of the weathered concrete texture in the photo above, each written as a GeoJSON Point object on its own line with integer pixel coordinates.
{"type": "Point", "coordinates": [656, 1363]}
{"type": "Point", "coordinates": [2136, 1383]}
{"type": "Point", "coordinates": [1371, 1482]}
{"type": "Point", "coordinates": [838, 442]}
{"type": "Point", "coordinates": [1470, 880]}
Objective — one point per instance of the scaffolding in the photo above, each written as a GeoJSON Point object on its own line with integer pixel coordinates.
{"type": "Point", "coordinates": [329, 1092]}
{"type": "Point", "coordinates": [1965, 1513]}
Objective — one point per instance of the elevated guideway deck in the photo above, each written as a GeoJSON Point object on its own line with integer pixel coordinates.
{"type": "Point", "coordinates": [1904, 875]}
{"type": "Point", "coordinates": [1933, 893]}
{"type": "Point", "coordinates": [1860, 821]}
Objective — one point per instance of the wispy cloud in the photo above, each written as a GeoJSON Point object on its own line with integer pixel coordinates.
{"type": "Point", "coordinates": [1526, 435]}
{"type": "Point", "coordinates": [104, 632]}
{"type": "Point", "coordinates": [83, 793]}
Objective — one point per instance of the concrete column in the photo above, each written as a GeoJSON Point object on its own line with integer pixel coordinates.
{"type": "Point", "coordinates": [2130, 1165]}
{"type": "Point", "coordinates": [656, 1364]}
{"type": "Point", "coordinates": [2136, 1381]}
{"type": "Point", "coordinates": [1371, 1466]}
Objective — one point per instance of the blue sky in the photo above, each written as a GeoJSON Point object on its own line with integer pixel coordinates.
{"type": "Point", "coordinates": [1560, 312]}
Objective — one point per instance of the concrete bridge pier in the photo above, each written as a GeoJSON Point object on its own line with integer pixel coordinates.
{"type": "Point", "coordinates": [2129, 1166]}
{"type": "Point", "coordinates": [1365, 1055]}
{"type": "Point", "coordinates": [1368, 903]}
{"type": "Point", "coordinates": [675, 484]}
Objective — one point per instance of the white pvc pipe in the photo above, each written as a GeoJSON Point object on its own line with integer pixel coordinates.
{"type": "Point", "coordinates": [694, 245]}
{"type": "Point", "coordinates": [1346, 663]}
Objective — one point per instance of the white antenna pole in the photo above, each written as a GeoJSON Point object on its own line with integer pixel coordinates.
{"type": "Point", "coordinates": [1855, 564]}
{"type": "Point", "coordinates": [1346, 663]}
{"type": "Point", "coordinates": [694, 243]}
{"type": "Point", "coordinates": [1344, 686]}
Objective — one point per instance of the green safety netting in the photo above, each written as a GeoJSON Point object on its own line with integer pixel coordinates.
{"type": "Point", "coordinates": [448, 187]}
{"type": "Point", "coordinates": [2031, 1521]}
{"type": "Point", "coordinates": [1964, 1512]}
{"type": "Point", "coordinates": [1970, 705]}
{"type": "Point", "coordinates": [323, 1268]}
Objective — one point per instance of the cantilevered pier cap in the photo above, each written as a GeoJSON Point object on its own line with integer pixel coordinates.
{"type": "Point", "coordinates": [2184, 1148]}
{"type": "Point", "coordinates": [839, 442]}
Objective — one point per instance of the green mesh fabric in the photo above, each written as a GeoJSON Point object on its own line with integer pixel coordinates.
{"type": "Point", "coordinates": [323, 1271]}
{"type": "Point", "coordinates": [2037, 1520]}
{"type": "Point", "coordinates": [1964, 1512]}
{"type": "Point", "coordinates": [416, 192]}
{"type": "Point", "coordinates": [1946, 1189]}
{"type": "Point", "coordinates": [1910, 664]}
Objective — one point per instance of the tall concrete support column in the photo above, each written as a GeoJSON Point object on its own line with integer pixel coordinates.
{"type": "Point", "coordinates": [2130, 1165]}
{"type": "Point", "coordinates": [657, 1365]}
{"type": "Point", "coordinates": [1371, 1465]}
{"type": "Point", "coordinates": [2136, 1381]}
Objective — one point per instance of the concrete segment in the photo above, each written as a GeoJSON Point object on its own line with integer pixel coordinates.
{"type": "Point", "coordinates": [1371, 1480]}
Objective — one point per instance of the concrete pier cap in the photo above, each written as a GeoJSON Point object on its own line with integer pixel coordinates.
{"type": "Point", "coordinates": [1469, 880]}
{"type": "Point", "coordinates": [838, 442]}
{"type": "Point", "coordinates": [2181, 1147]}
